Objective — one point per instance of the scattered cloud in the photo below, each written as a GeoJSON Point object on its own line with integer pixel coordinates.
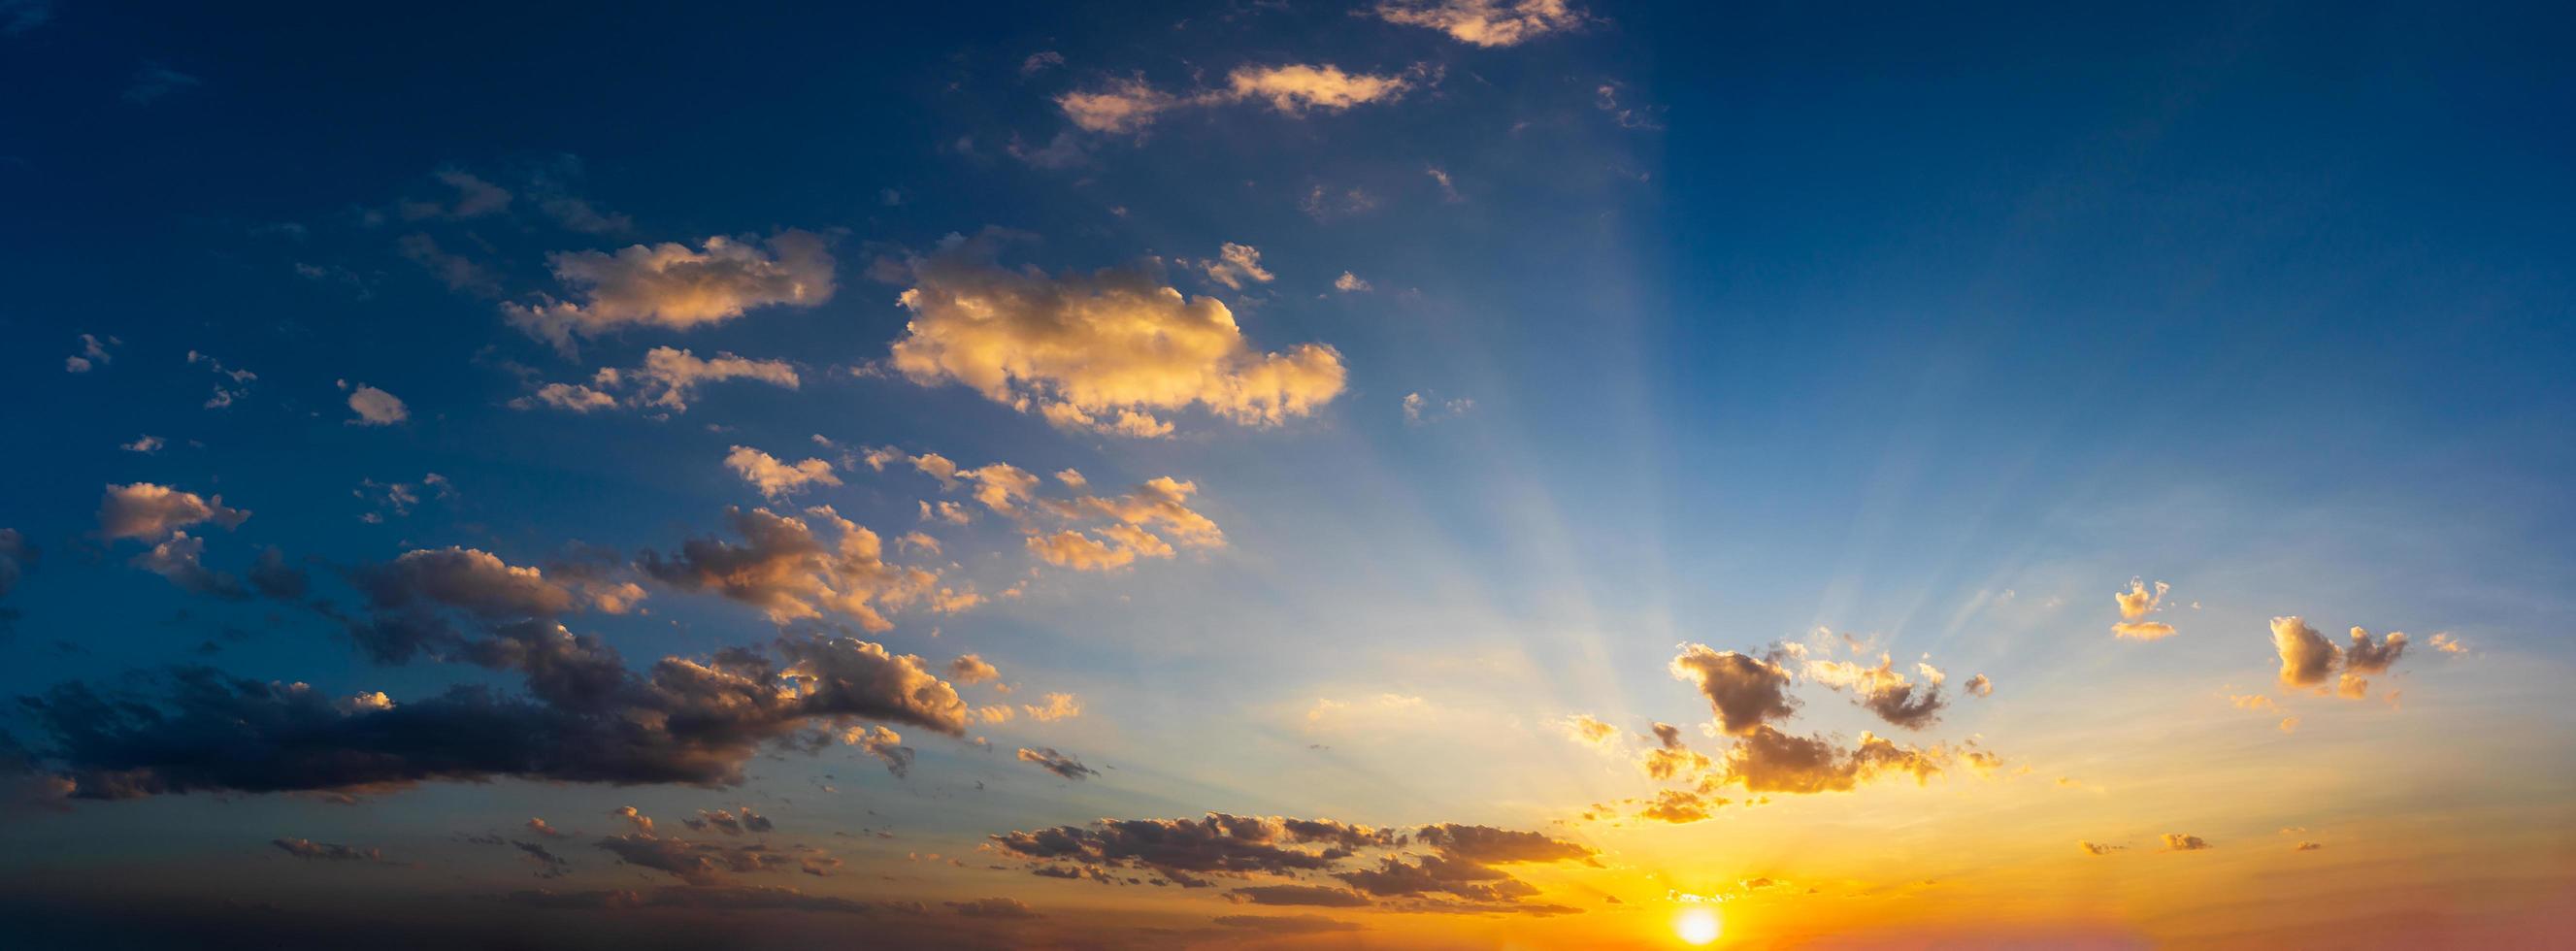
{"type": "Point", "coordinates": [774, 478]}
{"type": "Point", "coordinates": [376, 407]}
{"type": "Point", "coordinates": [152, 512]}
{"type": "Point", "coordinates": [2135, 604]}
{"type": "Point", "coordinates": [1060, 764]}
{"type": "Point", "coordinates": [674, 287]}
{"type": "Point", "coordinates": [1488, 23]}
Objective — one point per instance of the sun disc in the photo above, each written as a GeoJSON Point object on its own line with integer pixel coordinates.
{"type": "Point", "coordinates": [1696, 926]}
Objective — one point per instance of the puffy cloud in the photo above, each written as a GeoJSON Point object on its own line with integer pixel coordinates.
{"type": "Point", "coordinates": [1058, 763]}
{"type": "Point", "coordinates": [884, 744]}
{"type": "Point", "coordinates": [2306, 656]}
{"type": "Point", "coordinates": [1235, 265]}
{"type": "Point", "coordinates": [1884, 690]}
{"type": "Point", "coordinates": [643, 823]}
{"type": "Point", "coordinates": [971, 669]}
{"type": "Point", "coordinates": [2135, 604]}
{"type": "Point", "coordinates": [2178, 842]}
{"type": "Point", "coordinates": [146, 444]}
{"type": "Point", "coordinates": [669, 285]}
{"type": "Point", "coordinates": [376, 407]}
{"type": "Point", "coordinates": [1183, 849]}
{"type": "Point", "coordinates": [1768, 760]}
{"type": "Point", "coordinates": [788, 571]}
{"type": "Point", "coordinates": [1745, 692]}
{"type": "Point", "coordinates": [1679, 806]}
{"type": "Point", "coordinates": [2444, 642]}
{"type": "Point", "coordinates": [2368, 657]}
{"type": "Point", "coordinates": [1350, 283]}
{"type": "Point", "coordinates": [1102, 351]}
{"type": "Point", "coordinates": [1979, 686]}
{"type": "Point", "coordinates": [152, 512]}
{"type": "Point", "coordinates": [586, 719]}
{"type": "Point", "coordinates": [727, 822]}
{"type": "Point", "coordinates": [539, 826]}
{"type": "Point", "coordinates": [93, 354]}
{"type": "Point", "coordinates": [325, 851]}
{"type": "Point", "coordinates": [1130, 104]}
{"type": "Point", "coordinates": [668, 379]}
{"type": "Point", "coordinates": [1059, 706]}
{"type": "Point", "coordinates": [774, 478]}
{"type": "Point", "coordinates": [178, 559]}
{"type": "Point", "coordinates": [1489, 23]}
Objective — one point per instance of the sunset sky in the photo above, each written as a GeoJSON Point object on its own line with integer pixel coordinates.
{"type": "Point", "coordinates": [1288, 473]}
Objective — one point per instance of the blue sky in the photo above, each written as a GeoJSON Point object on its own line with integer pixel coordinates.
{"type": "Point", "coordinates": [1811, 334]}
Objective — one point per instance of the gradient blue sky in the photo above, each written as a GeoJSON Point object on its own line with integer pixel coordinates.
{"type": "Point", "coordinates": [1928, 327]}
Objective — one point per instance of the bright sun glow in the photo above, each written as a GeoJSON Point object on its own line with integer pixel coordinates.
{"type": "Point", "coordinates": [1696, 926]}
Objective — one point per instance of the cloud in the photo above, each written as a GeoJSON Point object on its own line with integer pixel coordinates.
{"type": "Point", "coordinates": [727, 822]}
{"type": "Point", "coordinates": [2178, 842]}
{"type": "Point", "coordinates": [2097, 849]}
{"type": "Point", "coordinates": [93, 354]}
{"type": "Point", "coordinates": [1059, 706]}
{"type": "Point", "coordinates": [146, 444]}
{"type": "Point", "coordinates": [643, 823]}
{"type": "Point", "coordinates": [325, 851]}
{"type": "Point", "coordinates": [1319, 896]}
{"type": "Point", "coordinates": [458, 272]}
{"type": "Point", "coordinates": [1768, 760]}
{"type": "Point", "coordinates": [971, 669]}
{"type": "Point", "coordinates": [2444, 642]}
{"type": "Point", "coordinates": [774, 478]}
{"type": "Point", "coordinates": [2306, 847]}
{"type": "Point", "coordinates": [1419, 409]}
{"type": "Point", "coordinates": [1102, 351]}
{"type": "Point", "coordinates": [1590, 730]}
{"type": "Point", "coordinates": [540, 827]}
{"type": "Point", "coordinates": [376, 407]}
{"type": "Point", "coordinates": [1183, 849]}
{"type": "Point", "coordinates": [1350, 283]}
{"type": "Point", "coordinates": [789, 572]}
{"type": "Point", "coordinates": [669, 285]}
{"type": "Point", "coordinates": [668, 379]}
{"type": "Point", "coordinates": [1058, 763]}
{"type": "Point", "coordinates": [701, 863]}
{"type": "Point", "coordinates": [884, 744]}
{"type": "Point", "coordinates": [1884, 691]}
{"type": "Point", "coordinates": [2135, 604]}
{"type": "Point", "coordinates": [1129, 104]}
{"type": "Point", "coordinates": [475, 198]}
{"type": "Point", "coordinates": [1744, 691]}
{"type": "Point", "coordinates": [1979, 686]}
{"type": "Point", "coordinates": [2368, 657]}
{"type": "Point", "coordinates": [153, 512]}
{"type": "Point", "coordinates": [1003, 908]}
{"type": "Point", "coordinates": [1234, 266]}
{"type": "Point", "coordinates": [2306, 656]}
{"type": "Point", "coordinates": [1489, 23]}
{"type": "Point", "coordinates": [585, 719]}
{"type": "Point", "coordinates": [178, 559]}
{"type": "Point", "coordinates": [718, 898]}
{"type": "Point", "coordinates": [1286, 924]}
{"type": "Point", "coordinates": [1041, 61]}
{"type": "Point", "coordinates": [1679, 806]}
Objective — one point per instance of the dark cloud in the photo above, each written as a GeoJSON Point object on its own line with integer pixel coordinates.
{"type": "Point", "coordinates": [791, 573]}
{"type": "Point", "coordinates": [587, 719]}
{"type": "Point", "coordinates": [1058, 763]}
{"type": "Point", "coordinates": [1324, 896]}
{"type": "Point", "coordinates": [271, 576]}
{"type": "Point", "coordinates": [2366, 657]}
{"type": "Point", "coordinates": [549, 865]}
{"type": "Point", "coordinates": [704, 863]}
{"type": "Point", "coordinates": [729, 823]}
{"type": "Point", "coordinates": [706, 897]}
{"type": "Point", "coordinates": [309, 849]}
{"type": "Point", "coordinates": [1009, 908]}
{"type": "Point", "coordinates": [1768, 760]}
{"type": "Point", "coordinates": [1744, 691]}
{"type": "Point", "coordinates": [1884, 690]}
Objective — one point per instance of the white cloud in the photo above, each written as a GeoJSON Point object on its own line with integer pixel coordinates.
{"type": "Point", "coordinates": [154, 512]}
{"type": "Point", "coordinates": [774, 478]}
{"type": "Point", "coordinates": [669, 285]}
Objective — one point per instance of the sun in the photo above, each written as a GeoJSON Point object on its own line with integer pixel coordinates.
{"type": "Point", "coordinates": [1696, 926]}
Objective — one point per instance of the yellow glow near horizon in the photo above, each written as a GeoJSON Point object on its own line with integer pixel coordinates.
{"type": "Point", "coordinates": [1696, 926]}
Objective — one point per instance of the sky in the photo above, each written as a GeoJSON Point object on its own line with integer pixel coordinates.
{"type": "Point", "coordinates": [1400, 474]}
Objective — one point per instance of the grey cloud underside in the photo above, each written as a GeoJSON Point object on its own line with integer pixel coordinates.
{"type": "Point", "coordinates": [1312, 862]}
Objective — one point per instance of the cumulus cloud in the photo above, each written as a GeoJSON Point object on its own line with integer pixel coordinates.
{"type": "Point", "coordinates": [1745, 692]}
{"type": "Point", "coordinates": [774, 478]}
{"type": "Point", "coordinates": [376, 407]}
{"type": "Point", "coordinates": [1459, 868]}
{"type": "Point", "coordinates": [153, 512]}
{"type": "Point", "coordinates": [585, 718]}
{"type": "Point", "coordinates": [1103, 351]}
{"type": "Point", "coordinates": [728, 822]}
{"type": "Point", "coordinates": [2178, 842]}
{"type": "Point", "coordinates": [2368, 657]}
{"type": "Point", "coordinates": [668, 379]}
{"type": "Point", "coordinates": [670, 285]}
{"type": "Point", "coordinates": [2135, 604]}
{"type": "Point", "coordinates": [179, 558]}
{"type": "Point", "coordinates": [1059, 706]}
{"type": "Point", "coordinates": [1490, 23]}
{"type": "Point", "coordinates": [971, 669]}
{"type": "Point", "coordinates": [1130, 104]}
{"type": "Point", "coordinates": [1060, 764]}
{"type": "Point", "coordinates": [787, 570]}
{"type": "Point", "coordinates": [703, 863]}
{"type": "Point", "coordinates": [1679, 806]}
{"type": "Point", "coordinates": [1979, 686]}
{"type": "Point", "coordinates": [2306, 656]}
{"type": "Point", "coordinates": [1590, 730]}
{"type": "Point", "coordinates": [1350, 283]}
{"type": "Point", "coordinates": [1884, 690]}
